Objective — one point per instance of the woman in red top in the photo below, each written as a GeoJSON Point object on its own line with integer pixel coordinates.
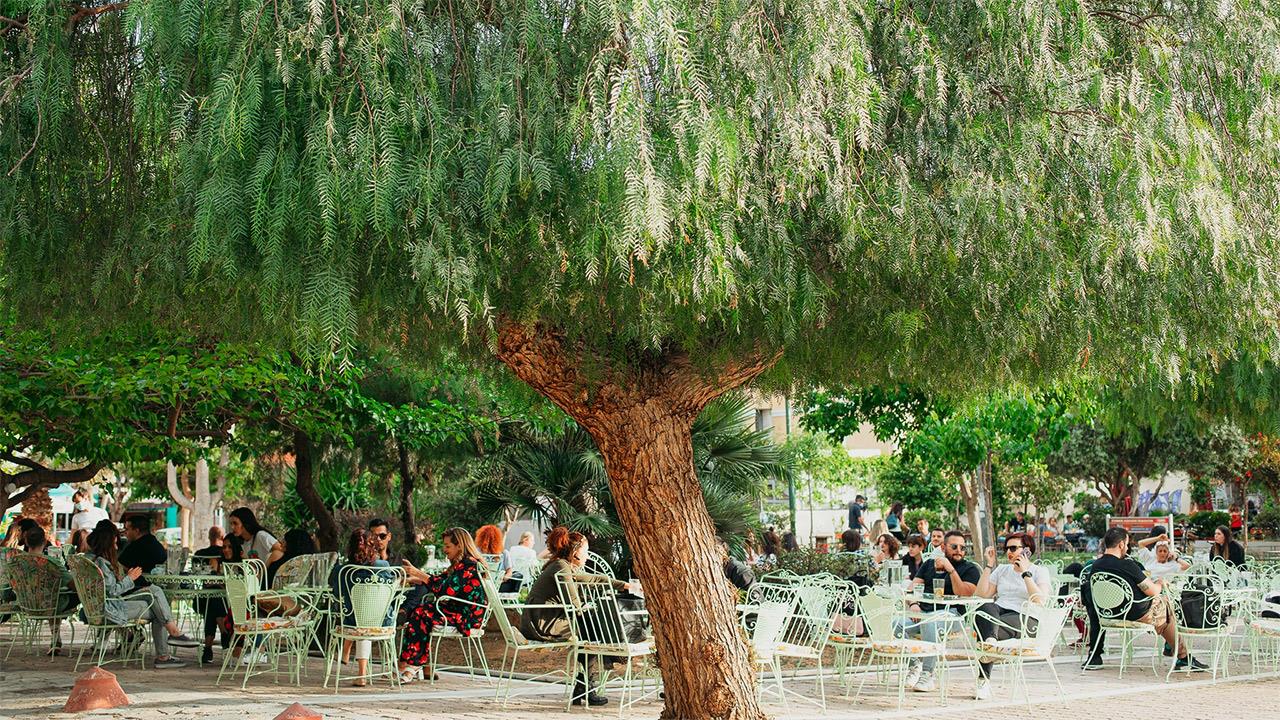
{"type": "Point", "coordinates": [460, 580]}
{"type": "Point", "coordinates": [1237, 520]}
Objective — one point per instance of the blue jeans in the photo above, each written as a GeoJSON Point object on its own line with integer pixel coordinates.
{"type": "Point", "coordinates": [928, 631]}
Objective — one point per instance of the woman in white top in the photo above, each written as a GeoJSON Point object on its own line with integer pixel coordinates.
{"type": "Point", "coordinates": [1011, 585]}
{"type": "Point", "coordinates": [1162, 563]}
{"type": "Point", "coordinates": [258, 542]}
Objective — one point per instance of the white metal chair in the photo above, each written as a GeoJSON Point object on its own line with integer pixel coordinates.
{"type": "Point", "coordinates": [1041, 628]}
{"type": "Point", "coordinates": [365, 600]}
{"type": "Point", "coordinates": [92, 589]}
{"type": "Point", "coordinates": [515, 641]}
{"type": "Point", "coordinates": [472, 645]}
{"type": "Point", "coordinates": [1211, 622]}
{"type": "Point", "coordinates": [599, 630]}
{"type": "Point", "coordinates": [273, 634]}
{"type": "Point", "coordinates": [1112, 601]}
{"type": "Point", "coordinates": [766, 631]}
{"type": "Point", "coordinates": [808, 629]}
{"type": "Point", "coordinates": [886, 619]}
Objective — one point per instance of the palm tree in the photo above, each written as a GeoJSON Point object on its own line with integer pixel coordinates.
{"type": "Point", "coordinates": [557, 477]}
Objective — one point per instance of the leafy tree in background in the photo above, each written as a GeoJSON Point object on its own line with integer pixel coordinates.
{"type": "Point", "coordinates": [639, 208]}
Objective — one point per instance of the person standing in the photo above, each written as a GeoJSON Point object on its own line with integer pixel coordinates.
{"type": "Point", "coordinates": [856, 509]}
{"type": "Point", "coordinates": [894, 522]}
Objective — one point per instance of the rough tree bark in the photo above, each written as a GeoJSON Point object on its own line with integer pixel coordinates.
{"type": "Point", "coordinates": [407, 482]}
{"type": "Point", "coordinates": [35, 478]}
{"type": "Point", "coordinates": [641, 422]}
{"type": "Point", "coordinates": [975, 491]}
{"type": "Point", "coordinates": [305, 485]}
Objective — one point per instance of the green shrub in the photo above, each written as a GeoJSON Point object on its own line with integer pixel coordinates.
{"type": "Point", "coordinates": [1203, 523]}
{"type": "Point", "coordinates": [807, 561]}
{"type": "Point", "coordinates": [1268, 521]}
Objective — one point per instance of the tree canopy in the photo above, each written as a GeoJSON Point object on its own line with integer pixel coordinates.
{"type": "Point", "coordinates": [933, 191]}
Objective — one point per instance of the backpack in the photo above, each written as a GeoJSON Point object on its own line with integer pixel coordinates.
{"type": "Point", "coordinates": [1201, 604]}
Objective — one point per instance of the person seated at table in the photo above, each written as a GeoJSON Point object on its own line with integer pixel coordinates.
{"type": "Point", "coordinates": [1016, 524]}
{"type": "Point", "coordinates": [37, 543]}
{"type": "Point", "coordinates": [959, 578]}
{"type": "Point", "coordinates": [143, 550]}
{"type": "Point", "coordinates": [296, 543]}
{"type": "Point", "coordinates": [79, 540]}
{"type": "Point", "coordinates": [213, 609]}
{"type": "Point", "coordinates": [1010, 585]}
{"type": "Point", "coordinates": [789, 543]}
{"type": "Point", "coordinates": [522, 554]}
{"type": "Point", "coordinates": [1158, 556]}
{"type": "Point", "coordinates": [851, 540]}
{"type": "Point", "coordinates": [1149, 605]}
{"type": "Point", "coordinates": [461, 580]}
{"type": "Point", "coordinates": [937, 537]}
{"type": "Point", "coordinates": [362, 549]}
{"type": "Point", "coordinates": [380, 531]}
{"type": "Point", "coordinates": [123, 608]}
{"type": "Point", "coordinates": [489, 539]}
{"type": "Point", "coordinates": [893, 522]}
{"type": "Point", "coordinates": [17, 528]}
{"type": "Point", "coordinates": [542, 624]}
{"type": "Point", "coordinates": [878, 529]}
{"type": "Point", "coordinates": [915, 555]}
{"type": "Point", "coordinates": [259, 543]}
{"type": "Point", "coordinates": [736, 571]}
{"type": "Point", "coordinates": [887, 548]}
{"type": "Point", "coordinates": [1225, 548]}
{"type": "Point", "coordinates": [751, 548]}
{"type": "Point", "coordinates": [922, 527]}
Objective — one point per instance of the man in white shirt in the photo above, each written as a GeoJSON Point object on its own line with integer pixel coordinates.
{"type": "Point", "coordinates": [522, 554]}
{"type": "Point", "coordinates": [87, 515]}
{"type": "Point", "coordinates": [1163, 562]}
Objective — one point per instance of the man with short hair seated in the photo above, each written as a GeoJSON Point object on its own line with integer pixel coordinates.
{"type": "Point", "coordinates": [1149, 605]}
{"type": "Point", "coordinates": [38, 544]}
{"type": "Point", "coordinates": [960, 578]}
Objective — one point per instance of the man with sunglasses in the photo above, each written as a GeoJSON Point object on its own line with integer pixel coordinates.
{"type": "Point", "coordinates": [960, 578]}
{"type": "Point", "coordinates": [1011, 585]}
{"type": "Point", "coordinates": [382, 536]}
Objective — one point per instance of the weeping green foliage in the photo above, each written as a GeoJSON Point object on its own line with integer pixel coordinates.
{"type": "Point", "coordinates": [946, 192]}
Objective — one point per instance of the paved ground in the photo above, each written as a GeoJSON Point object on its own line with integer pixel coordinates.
{"type": "Point", "coordinates": [35, 687]}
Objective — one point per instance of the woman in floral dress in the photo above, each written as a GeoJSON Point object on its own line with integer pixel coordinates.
{"type": "Point", "coordinates": [460, 580]}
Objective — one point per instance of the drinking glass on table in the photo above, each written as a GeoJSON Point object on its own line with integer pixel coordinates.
{"type": "Point", "coordinates": [939, 588]}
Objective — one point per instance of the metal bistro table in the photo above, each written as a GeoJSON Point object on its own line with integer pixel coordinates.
{"type": "Point", "coordinates": [190, 589]}
{"type": "Point", "coordinates": [963, 621]}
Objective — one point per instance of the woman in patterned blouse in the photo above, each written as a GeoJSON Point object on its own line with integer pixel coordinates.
{"type": "Point", "coordinates": [460, 580]}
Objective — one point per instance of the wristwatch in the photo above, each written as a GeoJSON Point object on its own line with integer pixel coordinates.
{"type": "Point", "coordinates": [1027, 574]}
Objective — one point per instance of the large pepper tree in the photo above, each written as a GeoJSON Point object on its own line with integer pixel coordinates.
{"type": "Point", "coordinates": [639, 206]}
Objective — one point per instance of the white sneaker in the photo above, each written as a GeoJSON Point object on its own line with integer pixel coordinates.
{"type": "Point", "coordinates": [925, 684]}
{"type": "Point", "coordinates": [913, 675]}
{"type": "Point", "coordinates": [261, 658]}
{"type": "Point", "coordinates": [983, 690]}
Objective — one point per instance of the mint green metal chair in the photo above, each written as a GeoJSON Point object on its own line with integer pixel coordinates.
{"type": "Point", "coordinates": [92, 589]}
{"type": "Point", "coordinates": [364, 610]}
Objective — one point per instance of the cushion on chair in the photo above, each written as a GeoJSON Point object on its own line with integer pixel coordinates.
{"type": "Point", "coordinates": [632, 649]}
{"type": "Point", "coordinates": [369, 632]}
{"type": "Point", "coordinates": [906, 646]}
{"type": "Point", "coordinates": [450, 631]}
{"type": "Point", "coordinates": [1009, 647]}
{"type": "Point", "coordinates": [269, 623]}
{"type": "Point", "coordinates": [1265, 626]}
{"type": "Point", "coordinates": [794, 650]}
{"type": "Point", "coordinates": [1126, 625]}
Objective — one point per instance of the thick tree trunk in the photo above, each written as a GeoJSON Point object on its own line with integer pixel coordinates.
{"type": "Point", "coordinates": [640, 417]}
{"type": "Point", "coordinates": [39, 507]}
{"type": "Point", "coordinates": [304, 484]}
{"type": "Point", "coordinates": [975, 490]}
{"type": "Point", "coordinates": [407, 483]}
{"type": "Point", "coordinates": [706, 668]}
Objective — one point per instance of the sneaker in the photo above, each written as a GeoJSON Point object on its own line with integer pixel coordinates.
{"type": "Point", "coordinates": [1191, 664]}
{"type": "Point", "coordinates": [913, 675]}
{"type": "Point", "coordinates": [1168, 650]}
{"type": "Point", "coordinates": [258, 657]}
{"type": "Point", "coordinates": [206, 657]}
{"type": "Point", "coordinates": [925, 684]}
{"type": "Point", "coordinates": [169, 662]}
{"type": "Point", "coordinates": [983, 690]}
{"type": "Point", "coordinates": [1092, 665]}
{"type": "Point", "coordinates": [182, 641]}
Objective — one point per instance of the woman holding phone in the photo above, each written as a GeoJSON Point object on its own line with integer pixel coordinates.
{"type": "Point", "coordinates": [1010, 585]}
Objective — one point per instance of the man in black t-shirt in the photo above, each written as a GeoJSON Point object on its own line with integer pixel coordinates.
{"type": "Point", "coordinates": [143, 551]}
{"type": "Point", "coordinates": [960, 577]}
{"type": "Point", "coordinates": [1149, 605]}
{"type": "Point", "coordinates": [1016, 524]}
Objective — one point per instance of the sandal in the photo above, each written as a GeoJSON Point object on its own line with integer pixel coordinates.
{"type": "Point", "coordinates": [359, 682]}
{"type": "Point", "coordinates": [410, 674]}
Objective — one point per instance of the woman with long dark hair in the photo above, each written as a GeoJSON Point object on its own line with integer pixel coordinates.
{"type": "Point", "coordinates": [258, 541]}
{"type": "Point", "coordinates": [362, 550]}
{"type": "Point", "coordinates": [460, 580]}
{"type": "Point", "coordinates": [1225, 548]}
{"type": "Point", "coordinates": [121, 610]}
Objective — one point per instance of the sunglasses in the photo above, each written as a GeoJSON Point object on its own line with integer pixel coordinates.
{"type": "Point", "coordinates": [955, 547]}
{"type": "Point", "coordinates": [1012, 548]}
{"type": "Point", "coordinates": [382, 536]}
